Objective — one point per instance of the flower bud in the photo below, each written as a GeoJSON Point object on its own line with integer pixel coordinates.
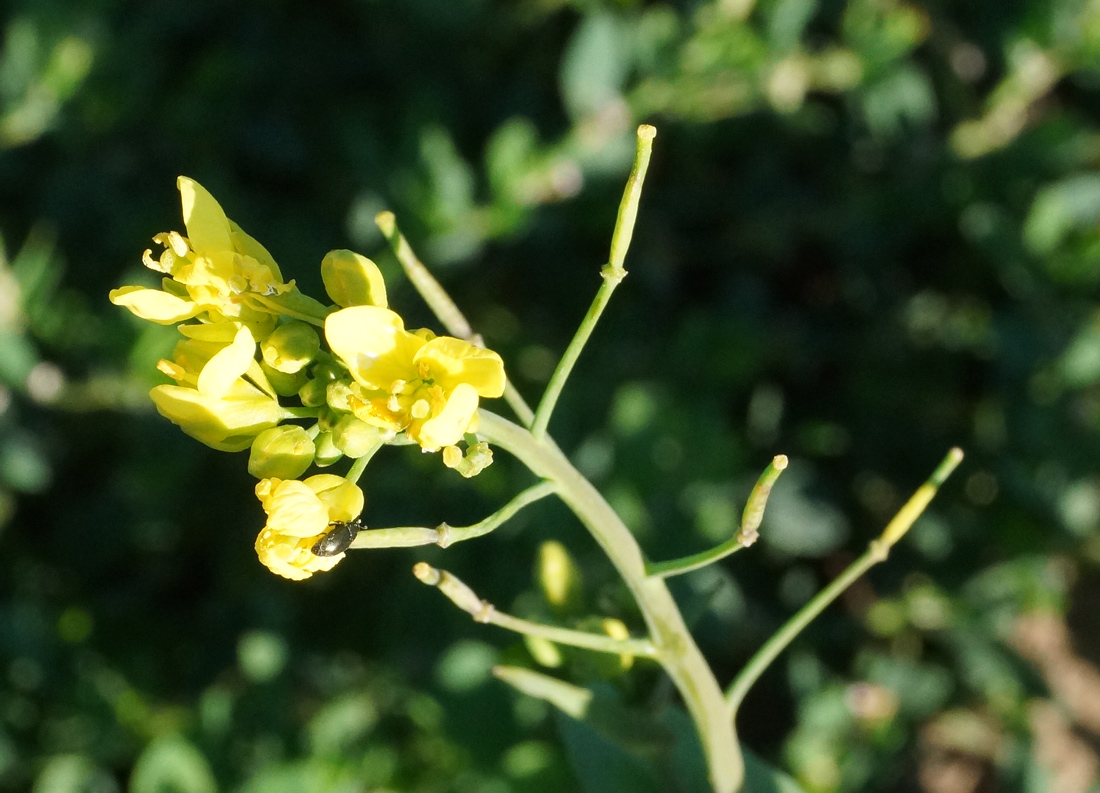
{"type": "Point", "coordinates": [356, 438]}
{"type": "Point", "coordinates": [284, 384]}
{"type": "Point", "coordinates": [313, 393]}
{"type": "Point", "coordinates": [291, 347]}
{"type": "Point", "coordinates": [282, 452]}
{"type": "Point", "coordinates": [337, 395]}
{"type": "Point", "coordinates": [559, 578]}
{"type": "Point", "coordinates": [326, 453]}
{"type": "Point", "coordinates": [544, 651]}
{"type": "Point", "coordinates": [478, 457]}
{"type": "Point", "coordinates": [352, 280]}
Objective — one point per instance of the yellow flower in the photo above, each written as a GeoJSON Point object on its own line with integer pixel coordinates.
{"type": "Point", "coordinates": [216, 273]}
{"type": "Point", "coordinates": [425, 385]}
{"type": "Point", "coordinates": [212, 401]}
{"type": "Point", "coordinates": [298, 516]}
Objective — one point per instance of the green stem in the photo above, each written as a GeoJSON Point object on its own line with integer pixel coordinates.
{"type": "Point", "coordinates": [360, 463]}
{"type": "Point", "coordinates": [877, 551]}
{"type": "Point", "coordinates": [441, 303]}
{"type": "Point", "coordinates": [746, 535]}
{"type": "Point", "coordinates": [301, 412]}
{"type": "Point", "coordinates": [485, 612]}
{"type": "Point", "coordinates": [445, 535]}
{"type": "Point", "coordinates": [612, 273]}
{"type": "Point", "coordinates": [676, 650]}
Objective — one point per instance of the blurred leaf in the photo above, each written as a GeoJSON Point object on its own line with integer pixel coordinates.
{"type": "Point", "coordinates": [600, 764]}
{"type": "Point", "coordinates": [172, 765]}
{"type": "Point", "coordinates": [594, 65]}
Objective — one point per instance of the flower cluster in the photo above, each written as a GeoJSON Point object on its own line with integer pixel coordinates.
{"type": "Point", "coordinates": [256, 354]}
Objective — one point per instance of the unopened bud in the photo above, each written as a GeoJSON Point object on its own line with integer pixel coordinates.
{"type": "Point", "coordinates": [352, 280]}
{"type": "Point", "coordinates": [356, 438]}
{"type": "Point", "coordinates": [282, 452]}
{"type": "Point", "coordinates": [291, 347]}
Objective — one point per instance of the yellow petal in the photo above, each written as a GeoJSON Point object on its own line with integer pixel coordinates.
{"type": "Point", "coordinates": [290, 557]}
{"type": "Point", "coordinates": [294, 509]}
{"type": "Point", "coordinates": [448, 427]}
{"type": "Point", "coordinates": [452, 361]}
{"type": "Point", "coordinates": [374, 345]}
{"type": "Point", "coordinates": [227, 365]}
{"type": "Point", "coordinates": [153, 304]}
{"type": "Point", "coordinates": [218, 332]}
{"type": "Point", "coordinates": [207, 225]}
{"type": "Point", "coordinates": [245, 244]}
{"type": "Point", "coordinates": [343, 499]}
{"type": "Point", "coordinates": [228, 424]}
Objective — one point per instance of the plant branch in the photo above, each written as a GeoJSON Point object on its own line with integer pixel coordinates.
{"type": "Point", "coordinates": [876, 552]}
{"type": "Point", "coordinates": [612, 273]}
{"type": "Point", "coordinates": [746, 535]}
{"type": "Point", "coordinates": [676, 650]}
{"type": "Point", "coordinates": [445, 535]}
{"type": "Point", "coordinates": [485, 612]}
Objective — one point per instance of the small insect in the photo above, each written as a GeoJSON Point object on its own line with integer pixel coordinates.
{"type": "Point", "coordinates": [338, 538]}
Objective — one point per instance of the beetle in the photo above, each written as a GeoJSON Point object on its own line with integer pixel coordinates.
{"type": "Point", "coordinates": [338, 538]}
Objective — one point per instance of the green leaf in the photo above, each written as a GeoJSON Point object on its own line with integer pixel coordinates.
{"type": "Point", "coordinates": [172, 765]}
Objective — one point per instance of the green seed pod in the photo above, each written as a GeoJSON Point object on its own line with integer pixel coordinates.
{"type": "Point", "coordinates": [352, 280]}
{"type": "Point", "coordinates": [282, 452]}
{"type": "Point", "coordinates": [291, 348]}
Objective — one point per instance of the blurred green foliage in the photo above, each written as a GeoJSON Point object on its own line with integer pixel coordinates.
{"type": "Point", "coordinates": [870, 232]}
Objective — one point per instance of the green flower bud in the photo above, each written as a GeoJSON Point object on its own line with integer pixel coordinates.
{"type": "Point", "coordinates": [327, 453]}
{"type": "Point", "coordinates": [559, 578]}
{"type": "Point", "coordinates": [352, 280]}
{"type": "Point", "coordinates": [313, 393]}
{"type": "Point", "coordinates": [544, 651]}
{"type": "Point", "coordinates": [281, 452]}
{"type": "Point", "coordinates": [477, 458]}
{"type": "Point", "coordinates": [283, 383]}
{"type": "Point", "coordinates": [356, 438]}
{"type": "Point", "coordinates": [291, 347]}
{"type": "Point", "coordinates": [337, 395]}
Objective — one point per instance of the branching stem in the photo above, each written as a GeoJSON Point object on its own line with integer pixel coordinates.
{"type": "Point", "coordinates": [876, 552]}
{"type": "Point", "coordinates": [612, 273]}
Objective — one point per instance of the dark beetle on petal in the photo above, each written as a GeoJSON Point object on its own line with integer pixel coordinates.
{"type": "Point", "coordinates": [338, 538]}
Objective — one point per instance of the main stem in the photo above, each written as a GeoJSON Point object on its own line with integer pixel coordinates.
{"type": "Point", "coordinates": [676, 650]}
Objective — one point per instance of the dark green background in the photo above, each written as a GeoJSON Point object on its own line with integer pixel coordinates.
{"type": "Point", "coordinates": [869, 233]}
